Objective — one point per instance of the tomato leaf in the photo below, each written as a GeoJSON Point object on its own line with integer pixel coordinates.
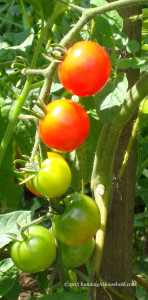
{"type": "Point", "coordinates": [8, 274]}
{"type": "Point", "coordinates": [8, 224]}
{"type": "Point", "coordinates": [109, 100]}
{"type": "Point", "coordinates": [83, 157]}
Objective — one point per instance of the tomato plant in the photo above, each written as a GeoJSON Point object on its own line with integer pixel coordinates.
{"type": "Point", "coordinates": [85, 69]}
{"type": "Point", "coordinates": [65, 127]}
{"type": "Point", "coordinates": [77, 256]}
{"type": "Point", "coordinates": [36, 252]}
{"type": "Point", "coordinates": [53, 178]}
{"type": "Point", "coordinates": [79, 222]}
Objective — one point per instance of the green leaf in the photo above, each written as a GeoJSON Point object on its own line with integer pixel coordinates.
{"type": "Point", "coordinates": [109, 100]}
{"type": "Point", "coordinates": [8, 274]}
{"type": "Point", "coordinates": [44, 7]}
{"type": "Point", "coordinates": [141, 219]}
{"type": "Point", "coordinates": [18, 38]}
{"type": "Point", "coordinates": [133, 46]}
{"type": "Point", "coordinates": [8, 224]}
{"type": "Point", "coordinates": [13, 294]}
{"type": "Point", "coordinates": [83, 157]}
{"type": "Point", "coordinates": [108, 26]}
{"type": "Point", "coordinates": [141, 266]}
{"type": "Point", "coordinates": [67, 296]}
{"type": "Point", "coordinates": [137, 62]}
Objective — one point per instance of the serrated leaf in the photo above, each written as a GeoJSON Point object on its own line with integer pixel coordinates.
{"type": "Point", "coordinates": [67, 296]}
{"type": "Point", "coordinates": [106, 25]}
{"type": "Point", "coordinates": [109, 100]}
{"type": "Point", "coordinates": [8, 224]}
{"type": "Point", "coordinates": [8, 274]}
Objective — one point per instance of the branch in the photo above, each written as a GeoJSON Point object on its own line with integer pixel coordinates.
{"type": "Point", "coordinates": [76, 7]}
{"type": "Point", "coordinates": [49, 215]}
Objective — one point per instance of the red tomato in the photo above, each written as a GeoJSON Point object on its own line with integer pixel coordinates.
{"type": "Point", "coordinates": [65, 127]}
{"type": "Point", "coordinates": [85, 69]}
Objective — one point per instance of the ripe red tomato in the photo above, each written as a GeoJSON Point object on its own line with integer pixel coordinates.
{"type": "Point", "coordinates": [77, 256]}
{"type": "Point", "coordinates": [35, 253]}
{"type": "Point", "coordinates": [85, 69]}
{"type": "Point", "coordinates": [53, 178]}
{"type": "Point", "coordinates": [65, 127]}
{"type": "Point", "coordinates": [79, 222]}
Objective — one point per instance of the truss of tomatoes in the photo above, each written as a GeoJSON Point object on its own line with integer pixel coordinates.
{"type": "Point", "coordinates": [65, 127]}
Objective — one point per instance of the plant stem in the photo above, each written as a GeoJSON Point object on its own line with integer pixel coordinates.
{"type": "Point", "coordinates": [130, 143]}
{"type": "Point", "coordinates": [140, 282]}
{"type": "Point", "coordinates": [141, 168]}
{"type": "Point", "coordinates": [61, 266]}
{"type": "Point", "coordinates": [25, 14]}
{"type": "Point", "coordinates": [13, 119]}
{"type": "Point", "coordinates": [49, 215]}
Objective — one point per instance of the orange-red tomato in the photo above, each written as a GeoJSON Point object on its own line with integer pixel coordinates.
{"type": "Point", "coordinates": [85, 69]}
{"type": "Point", "coordinates": [65, 126]}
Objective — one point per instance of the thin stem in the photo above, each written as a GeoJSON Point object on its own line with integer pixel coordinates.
{"type": "Point", "coordinates": [114, 291]}
{"type": "Point", "coordinates": [49, 215]}
{"type": "Point", "coordinates": [13, 119]}
{"type": "Point", "coordinates": [61, 266]}
{"type": "Point", "coordinates": [78, 8]}
{"type": "Point", "coordinates": [83, 169]}
{"type": "Point", "coordinates": [130, 143]}
{"type": "Point", "coordinates": [25, 14]}
{"type": "Point", "coordinates": [140, 282]}
{"type": "Point", "coordinates": [36, 85]}
{"type": "Point", "coordinates": [9, 89]}
{"type": "Point", "coordinates": [143, 166]}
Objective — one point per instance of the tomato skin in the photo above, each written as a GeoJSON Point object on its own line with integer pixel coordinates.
{"type": "Point", "coordinates": [30, 186]}
{"type": "Point", "coordinates": [65, 127]}
{"type": "Point", "coordinates": [54, 177]}
{"type": "Point", "coordinates": [79, 222]}
{"type": "Point", "coordinates": [85, 69]}
{"type": "Point", "coordinates": [37, 252]}
{"type": "Point", "coordinates": [77, 256]}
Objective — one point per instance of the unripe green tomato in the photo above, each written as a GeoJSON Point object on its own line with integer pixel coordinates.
{"type": "Point", "coordinates": [54, 177]}
{"type": "Point", "coordinates": [79, 222]}
{"type": "Point", "coordinates": [35, 253]}
{"type": "Point", "coordinates": [77, 256]}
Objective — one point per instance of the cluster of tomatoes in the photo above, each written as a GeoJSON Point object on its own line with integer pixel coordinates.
{"type": "Point", "coordinates": [83, 72]}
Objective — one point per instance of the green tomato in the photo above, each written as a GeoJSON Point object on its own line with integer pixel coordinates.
{"type": "Point", "coordinates": [35, 253]}
{"type": "Point", "coordinates": [77, 256]}
{"type": "Point", "coordinates": [79, 222]}
{"type": "Point", "coordinates": [54, 177]}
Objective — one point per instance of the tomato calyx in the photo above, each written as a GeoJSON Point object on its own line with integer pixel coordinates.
{"type": "Point", "coordinates": [56, 53]}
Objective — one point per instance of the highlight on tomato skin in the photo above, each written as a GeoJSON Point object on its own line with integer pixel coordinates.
{"type": "Point", "coordinates": [65, 126]}
{"type": "Point", "coordinates": [85, 69]}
